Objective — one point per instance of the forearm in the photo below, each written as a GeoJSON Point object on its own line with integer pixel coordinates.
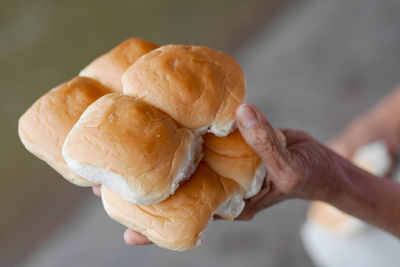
{"type": "Point", "coordinates": [373, 199]}
{"type": "Point", "coordinates": [387, 111]}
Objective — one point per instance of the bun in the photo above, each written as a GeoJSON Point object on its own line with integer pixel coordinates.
{"type": "Point", "coordinates": [44, 126]}
{"type": "Point", "coordinates": [231, 157]}
{"type": "Point", "coordinates": [179, 222]}
{"type": "Point", "coordinates": [132, 148]}
{"type": "Point", "coordinates": [109, 67]}
{"type": "Point", "coordinates": [198, 87]}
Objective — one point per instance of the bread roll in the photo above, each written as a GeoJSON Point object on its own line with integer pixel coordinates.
{"type": "Point", "coordinates": [44, 126]}
{"type": "Point", "coordinates": [177, 223]}
{"type": "Point", "coordinates": [109, 67]}
{"type": "Point", "coordinates": [132, 148]}
{"type": "Point", "coordinates": [231, 157]}
{"type": "Point", "coordinates": [198, 87]}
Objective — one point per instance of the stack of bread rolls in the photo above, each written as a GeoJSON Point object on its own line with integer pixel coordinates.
{"type": "Point", "coordinates": [155, 126]}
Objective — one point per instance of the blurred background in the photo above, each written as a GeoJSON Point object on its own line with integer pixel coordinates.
{"type": "Point", "coordinates": [310, 64]}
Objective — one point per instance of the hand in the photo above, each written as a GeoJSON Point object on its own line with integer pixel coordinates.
{"type": "Point", "coordinates": [131, 237]}
{"type": "Point", "coordinates": [301, 168]}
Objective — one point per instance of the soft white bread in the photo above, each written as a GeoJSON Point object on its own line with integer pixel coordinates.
{"type": "Point", "coordinates": [198, 87]}
{"type": "Point", "coordinates": [44, 126]}
{"type": "Point", "coordinates": [109, 67]}
{"type": "Point", "coordinates": [231, 157]}
{"type": "Point", "coordinates": [132, 148]}
{"type": "Point", "coordinates": [178, 222]}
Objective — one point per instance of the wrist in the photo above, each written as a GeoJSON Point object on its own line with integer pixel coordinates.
{"type": "Point", "coordinates": [331, 183]}
{"type": "Point", "coordinates": [351, 187]}
{"type": "Point", "coordinates": [338, 179]}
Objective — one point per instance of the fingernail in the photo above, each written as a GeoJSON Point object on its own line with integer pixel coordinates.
{"type": "Point", "coordinates": [246, 116]}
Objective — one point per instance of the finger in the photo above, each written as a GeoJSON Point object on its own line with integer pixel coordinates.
{"type": "Point", "coordinates": [134, 238]}
{"type": "Point", "coordinates": [262, 138]}
{"type": "Point", "coordinates": [257, 130]}
{"type": "Point", "coordinates": [266, 198]}
{"type": "Point", "coordinates": [272, 198]}
{"type": "Point", "coordinates": [97, 190]}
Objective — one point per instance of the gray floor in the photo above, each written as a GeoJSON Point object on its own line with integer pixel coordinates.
{"type": "Point", "coordinates": [321, 63]}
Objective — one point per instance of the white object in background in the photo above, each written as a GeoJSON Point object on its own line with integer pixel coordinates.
{"type": "Point", "coordinates": [374, 158]}
{"type": "Point", "coordinates": [369, 248]}
{"type": "Point", "coordinates": [333, 238]}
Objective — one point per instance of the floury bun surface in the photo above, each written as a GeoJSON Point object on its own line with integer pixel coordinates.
{"type": "Point", "coordinates": [132, 148]}
{"type": "Point", "coordinates": [179, 222]}
{"type": "Point", "coordinates": [44, 126]}
{"type": "Point", "coordinates": [200, 88]}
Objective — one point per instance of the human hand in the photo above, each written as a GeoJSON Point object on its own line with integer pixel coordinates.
{"type": "Point", "coordinates": [301, 168]}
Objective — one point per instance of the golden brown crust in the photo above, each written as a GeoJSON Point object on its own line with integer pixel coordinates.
{"type": "Point", "coordinates": [240, 169]}
{"type": "Point", "coordinates": [231, 157]}
{"type": "Point", "coordinates": [128, 137]}
{"type": "Point", "coordinates": [108, 68]}
{"type": "Point", "coordinates": [196, 86]}
{"type": "Point", "coordinates": [45, 125]}
{"type": "Point", "coordinates": [177, 222]}
{"type": "Point", "coordinates": [232, 145]}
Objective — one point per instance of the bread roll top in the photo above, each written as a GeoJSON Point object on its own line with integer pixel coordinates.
{"type": "Point", "coordinates": [198, 87]}
{"type": "Point", "coordinates": [108, 68]}
{"type": "Point", "coordinates": [129, 138]}
{"type": "Point", "coordinates": [45, 125]}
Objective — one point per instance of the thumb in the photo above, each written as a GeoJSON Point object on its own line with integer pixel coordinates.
{"type": "Point", "coordinates": [269, 144]}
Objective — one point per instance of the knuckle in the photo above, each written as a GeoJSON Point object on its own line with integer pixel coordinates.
{"type": "Point", "coordinates": [305, 134]}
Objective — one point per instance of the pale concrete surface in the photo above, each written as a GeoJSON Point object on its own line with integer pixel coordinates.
{"type": "Point", "coordinates": [321, 63]}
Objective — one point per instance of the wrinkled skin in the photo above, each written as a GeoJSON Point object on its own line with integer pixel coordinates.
{"type": "Point", "coordinates": [299, 167]}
